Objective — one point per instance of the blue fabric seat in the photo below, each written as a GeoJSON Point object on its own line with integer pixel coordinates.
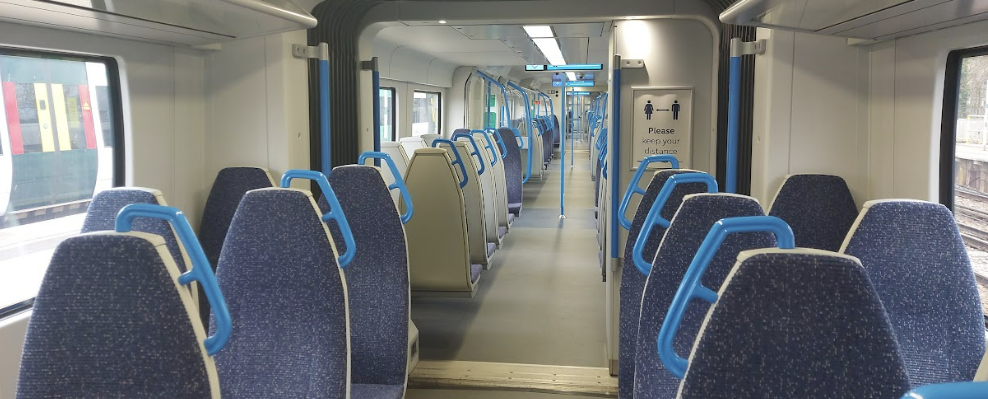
{"type": "Point", "coordinates": [111, 321]}
{"type": "Point", "coordinates": [632, 280]}
{"type": "Point", "coordinates": [512, 169]}
{"type": "Point", "coordinates": [377, 282]}
{"type": "Point", "coordinates": [288, 301]}
{"type": "Point", "coordinates": [229, 187]}
{"type": "Point", "coordinates": [818, 208]}
{"type": "Point", "coordinates": [682, 240]}
{"type": "Point", "coordinates": [795, 324]}
{"type": "Point", "coordinates": [914, 255]}
{"type": "Point", "coordinates": [547, 133]}
{"type": "Point", "coordinates": [102, 215]}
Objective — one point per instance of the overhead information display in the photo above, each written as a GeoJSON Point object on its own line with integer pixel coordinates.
{"type": "Point", "coordinates": [570, 67]}
{"type": "Point", "coordinates": [662, 123]}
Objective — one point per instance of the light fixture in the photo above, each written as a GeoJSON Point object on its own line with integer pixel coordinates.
{"type": "Point", "coordinates": [442, 21]}
{"type": "Point", "coordinates": [550, 49]}
{"type": "Point", "coordinates": [632, 18]}
{"type": "Point", "coordinates": [539, 31]}
{"type": "Point", "coordinates": [571, 76]}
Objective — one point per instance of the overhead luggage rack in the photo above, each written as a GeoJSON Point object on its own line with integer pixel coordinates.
{"type": "Point", "coordinates": [182, 22]}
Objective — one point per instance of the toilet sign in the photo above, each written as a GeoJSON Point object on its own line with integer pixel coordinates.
{"type": "Point", "coordinates": [662, 123]}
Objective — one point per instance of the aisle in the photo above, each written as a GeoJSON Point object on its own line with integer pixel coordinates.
{"type": "Point", "coordinates": [543, 301]}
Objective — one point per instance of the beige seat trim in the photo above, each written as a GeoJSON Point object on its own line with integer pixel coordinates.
{"type": "Point", "coordinates": [474, 201]}
{"type": "Point", "coordinates": [398, 155]}
{"type": "Point", "coordinates": [489, 189]}
{"type": "Point", "coordinates": [438, 256]}
{"type": "Point", "coordinates": [500, 182]}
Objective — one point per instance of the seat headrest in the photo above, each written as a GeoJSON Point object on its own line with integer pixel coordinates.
{"type": "Point", "coordinates": [229, 187]}
{"type": "Point", "coordinates": [819, 208]}
{"type": "Point", "coordinates": [794, 323]}
{"type": "Point", "coordinates": [111, 320]}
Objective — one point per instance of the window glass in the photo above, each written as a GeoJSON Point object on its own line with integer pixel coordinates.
{"type": "Point", "coordinates": [426, 111]}
{"type": "Point", "coordinates": [387, 95]}
{"type": "Point", "coordinates": [56, 122]}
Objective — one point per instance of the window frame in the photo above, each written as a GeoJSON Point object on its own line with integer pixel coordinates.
{"type": "Point", "coordinates": [948, 121]}
{"type": "Point", "coordinates": [394, 111]}
{"type": "Point", "coordinates": [116, 102]}
{"type": "Point", "coordinates": [439, 116]}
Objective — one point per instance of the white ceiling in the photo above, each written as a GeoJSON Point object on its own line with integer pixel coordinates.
{"type": "Point", "coordinates": [501, 45]}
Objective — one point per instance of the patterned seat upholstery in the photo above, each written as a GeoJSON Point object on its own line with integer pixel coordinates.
{"type": "Point", "coordinates": [682, 240]}
{"type": "Point", "coordinates": [102, 215]}
{"type": "Point", "coordinates": [818, 208]}
{"type": "Point", "coordinates": [632, 280]}
{"type": "Point", "coordinates": [915, 257]}
{"type": "Point", "coordinates": [377, 282]}
{"type": "Point", "coordinates": [287, 299]}
{"type": "Point", "coordinates": [111, 321]}
{"type": "Point", "coordinates": [513, 176]}
{"type": "Point", "coordinates": [795, 324]}
{"type": "Point", "coordinates": [547, 135]}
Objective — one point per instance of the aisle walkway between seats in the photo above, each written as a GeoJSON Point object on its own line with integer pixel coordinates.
{"type": "Point", "coordinates": [543, 302]}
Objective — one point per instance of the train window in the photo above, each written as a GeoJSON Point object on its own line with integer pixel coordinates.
{"type": "Point", "coordinates": [59, 137]}
{"type": "Point", "coordinates": [387, 95]}
{"type": "Point", "coordinates": [426, 113]}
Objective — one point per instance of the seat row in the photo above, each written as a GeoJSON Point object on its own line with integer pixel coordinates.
{"type": "Point", "coordinates": [885, 300]}
{"type": "Point", "coordinates": [309, 299]}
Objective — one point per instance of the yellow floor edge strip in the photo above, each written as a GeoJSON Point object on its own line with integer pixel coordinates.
{"type": "Point", "coordinates": [591, 381]}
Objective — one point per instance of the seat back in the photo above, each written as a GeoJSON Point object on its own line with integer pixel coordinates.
{"type": "Point", "coordinates": [438, 242]}
{"type": "Point", "coordinates": [819, 208]}
{"type": "Point", "coordinates": [287, 298]}
{"type": "Point", "coordinates": [103, 210]}
{"type": "Point", "coordinates": [430, 138]}
{"type": "Point", "coordinates": [795, 324]}
{"type": "Point", "coordinates": [229, 187]}
{"type": "Point", "coordinates": [513, 174]}
{"type": "Point", "coordinates": [488, 188]}
{"type": "Point", "coordinates": [410, 144]}
{"type": "Point", "coordinates": [682, 240]}
{"type": "Point", "coordinates": [377, 279]}
{"type": "Point", "coordinates": [111, 320]}
{"type": "Point", "coordinates": [915, 257]}
{"type": "Point", "coordinates": [632, 280]}
{"type": "Point", "coordinates": [473, 199]}
{"type": "Point", "coordinates": [500, 185]}
{"type": "Point", "coordinates": [398, 155]}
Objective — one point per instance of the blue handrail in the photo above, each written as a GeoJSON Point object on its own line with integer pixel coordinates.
{"type": "Point", "coordinates": [398, 184]}
{"type": "Point", "coordinates": [954, 390]}
{"type": "Point", "coordinates": [655, 213]}
{"type": "Point", "coordinates": [456, 154]}
{"type": "Point", "coordinates": [633, 185]}
{"type": "Point", "coordinates": [335, 209]}
{"type": "Point", "coordinates": [504, 93]}
{"type": "Point", "coordinates": [489, 146]}
{"type": "Point", "coordinates": [500, 142]}
{"type": "Point", "coordinates": [476, 150]}
{"type": "Point", "coordinates": [531, 135]}
{"type": "Point", "coordinates": [692, 288]}
{"type": "Point", "coordinates": [200, 270]}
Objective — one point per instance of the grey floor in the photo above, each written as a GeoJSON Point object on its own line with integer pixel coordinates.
{"type": "Point", "coordinates": [466, 394]}
{"type": "Point", "coordinates": [543, 301]}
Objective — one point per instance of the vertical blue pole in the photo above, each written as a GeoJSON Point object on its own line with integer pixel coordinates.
{"type": "Point", "coordinates": [572, 133]}
{"type": "Point", "coordinates": [615, 152]}
{"type": "Point", "coordinates": [530, 129]}
{"type": "Point", "coordinates": [733, 114]}
{"type": "Point", "coordinates": [325, 145]}
{"type": "Point", "coordinates": [377, 112]}
{"type": "Point", "coordinates": [562, 152]}
{"type": "Point", "coordinates": [487, 106]}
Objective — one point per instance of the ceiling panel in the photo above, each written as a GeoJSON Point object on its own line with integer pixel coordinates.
{"type": "Point", "coordinates": [501, 32]}
{"type": "Point", "coordinates": [430, 39]}
{"type": "Point", "coordinates": [574, 49]}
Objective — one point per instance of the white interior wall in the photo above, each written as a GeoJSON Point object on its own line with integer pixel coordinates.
{"type": "Point", "coordinates": [258, 106]}
{"type": "Point", "coordinates": [811, 112]}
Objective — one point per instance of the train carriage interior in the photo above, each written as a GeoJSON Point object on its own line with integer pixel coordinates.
{"type": "Point", "coordinates": [521, 199]}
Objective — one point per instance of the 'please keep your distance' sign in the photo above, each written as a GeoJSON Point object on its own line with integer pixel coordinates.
{"type": "Point", "coordinates": [662, 124]}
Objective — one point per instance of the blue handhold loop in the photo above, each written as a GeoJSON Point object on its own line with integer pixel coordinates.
{"type": "Point", "coordinates": [633, 185]}
{"type": "Point", "coordinates": [335, 209]}
{"type": "Point", "coordinates": [500, 142]}
{"type": "Point", "coordinates": [692, 288]}
{"type": "Point", "coordinates": [199, 271]}
{"type": "Point", "coordinates": [399, 184]}
{"type": "Point", "coordinates": [655, 213]}
{"type": "Point", "coordinates": [458, 160]}
{"type": "Point", "coordinates": [489, 146]}
{"type": "Point", "coordinates": [476, 150]}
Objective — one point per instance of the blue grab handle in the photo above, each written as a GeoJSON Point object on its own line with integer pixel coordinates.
{"type": "Point", "coordinates": [335, 209]}
{"type": "Point", "coordinates": [655, 213]}
{"type": "Point", "coordinates": [476, 151]}
{"type": "Point", "coordinates": [954, 390]}
{"type": "Point", "coordinates": [459, 160]}
{"type": "Point", "coordinates": [500, 143]}
{"type": "Point", "coordinates": [692, 288]}
{"type": "Point", "coordinates": [399, 184]}
{"type": "Point", "coordinates": [200, 269]}
{"type": "Point", "coordinates": [633, 185]}
{"type": "Point", "coordinates": [490, 145]}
